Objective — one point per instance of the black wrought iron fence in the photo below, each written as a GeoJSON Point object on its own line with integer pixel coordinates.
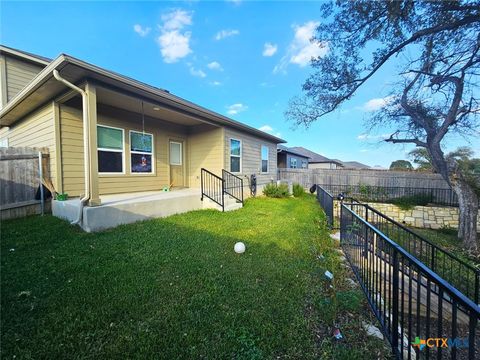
{"type": "Point", "coordinates": [233, 185]}
{"type": "Point", "coordinates": [421, 314]}
{"type": "Point", "coordinates": [457, 272]}
{"type": "Point", "coordinates": [212, 187]}
{"type": "Point", "coordinates": [326, 202]}
{"type": "Point", "coordinates": [445, 197]}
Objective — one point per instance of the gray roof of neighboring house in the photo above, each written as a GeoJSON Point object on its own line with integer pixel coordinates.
{"type": "Point", "coordinates": [314, 157]}
{"type": "Point", "coordinates": [281, 148]}
{"type": "Point", "coordinates": [26, 55]}
{"type": "Point", "coordinates": [355, 165]}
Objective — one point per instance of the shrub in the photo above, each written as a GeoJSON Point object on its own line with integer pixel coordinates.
{"type": "Point", "coordinates": [409, 202]}
{"type": "Point", "coordinates": [276, 191]}
{"type": "Point", "coordinates": [298, 190]}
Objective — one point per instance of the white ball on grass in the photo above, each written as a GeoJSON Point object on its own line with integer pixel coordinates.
{"type": "Point", "coordinates": [239, 248]}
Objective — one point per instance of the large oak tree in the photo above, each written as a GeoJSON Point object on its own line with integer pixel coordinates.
{"type": "Point", "coordinates": [434, 46]}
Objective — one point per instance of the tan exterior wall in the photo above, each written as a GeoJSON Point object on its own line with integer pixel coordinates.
{"type": "Point", "coordinates": [251, 158]}
{"type": "Point", "coordinates": [37, 130]}
{"type": "Point", "coordinates": [205, 150]}
{"type": "Point", "coordinates": [72, 152]}
{"type": "Point", "coordinates": [204, 146]}
{"type": "Point", "coordinates": [18, 74]}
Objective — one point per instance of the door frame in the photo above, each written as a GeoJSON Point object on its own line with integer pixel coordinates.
{"type": "Point", "coordinates": [182, 144]}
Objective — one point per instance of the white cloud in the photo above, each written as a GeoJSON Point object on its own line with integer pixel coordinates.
{"type": "Point", "coordinates": [235, 109]}
{"type": "Point", "coordinates": [236, 2]}
{"type": "Point", "coordinates": [266, 128]}
{"type": "Point", "coordinates": [214, 65]}
{"type": "Point", "coordinates": [216, 83]}
{"type": "Point", "coordinates": [270, 130]}
{"type": "Point", "coordinates": [302, 48]}
{"type": "Point", "coordinates": [198, 73]}
{"type": "Point", "coordinates": [141, 30]}
{"type": "Point", "coordinates": [176, 19]}
{"type": "Point", "coordinates": [174, 42]}
{"type": "Point", "coordinates": [222, 34]}
{"type": "Point", "coordinates": [376, 104]}
{"type": "Point", "coordinates": [269, 49]}
{"type": "Point", "coordinates": [367, 137]}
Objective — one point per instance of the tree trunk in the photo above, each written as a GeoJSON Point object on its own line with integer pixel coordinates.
{"type": "Point", "coordinates": [468, 214]}
{"type": "Point", "coordinates": [467, 198]}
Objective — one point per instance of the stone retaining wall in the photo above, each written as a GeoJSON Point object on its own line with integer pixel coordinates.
{"type": "Point", "coordinates": [430, 217]}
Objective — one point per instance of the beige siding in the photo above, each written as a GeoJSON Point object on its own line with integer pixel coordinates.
{"type": "Point", "coordinates": [72, 152]}
{"type": "Point", "coordinates": [36, 130]}
{"type": "Point", "coordinates": [251, 157]}
{"type": "Point", "coordinates": [18, 74]}
{"type": "Point", "coordinates": [205, 150]}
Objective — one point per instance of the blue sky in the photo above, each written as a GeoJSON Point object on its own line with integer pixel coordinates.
{"type": "Point", "coordinates": [242, 59]}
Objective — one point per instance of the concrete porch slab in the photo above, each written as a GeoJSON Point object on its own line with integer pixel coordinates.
{"type": "Point", "coordinates": [127, 208]}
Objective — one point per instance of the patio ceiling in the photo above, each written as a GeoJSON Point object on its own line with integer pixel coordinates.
{"type": "Point", "coordinates": [152, 110]}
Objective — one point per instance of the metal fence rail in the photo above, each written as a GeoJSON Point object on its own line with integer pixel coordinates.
{"type": "Point", "coordinates": [445, 197]}
{"type": "Point", "coordinates": [457, 272]}
{"type": "Point", "coordinates": [233, 185]}
{"type": "Point", "coordinates": [326, 202]}
{"type": "Point", "coordinates": [412, 302]}
{"type": "Point", "coordinates": [212, 187]}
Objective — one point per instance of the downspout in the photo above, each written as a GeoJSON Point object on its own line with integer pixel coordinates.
{"type": "Point", "coordinates": [86, 143]}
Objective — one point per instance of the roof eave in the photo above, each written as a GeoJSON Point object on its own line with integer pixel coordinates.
{"type": "Point", "coordinates": [24, 55]}
{"type": "Point", "coordinates": [215, 117]}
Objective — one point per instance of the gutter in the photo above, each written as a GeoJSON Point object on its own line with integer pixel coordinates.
{"type": "Point", "coordinates": [86, 143]}
{"type": "Point", "coordinates": [151, 91]}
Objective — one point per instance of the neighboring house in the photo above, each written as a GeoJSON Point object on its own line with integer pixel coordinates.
{"type": "Point", "coordinates": [123, 136]}
{"type": "Point", "coordinates": [317, 161]}
{"type": "Point", "coordinates": [355, 165]}
{"type": "Point", "coordinates": [290, 159]}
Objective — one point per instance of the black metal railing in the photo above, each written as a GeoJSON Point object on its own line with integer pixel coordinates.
{"type": "Point", "coordinates": [445, 197]}
{"type": "Point", "coordinates": [421, 314]}
{"type": "Point", "coordinates": [233, 185]}
{"type": "Point", "coordinates": [457, 272]}
{"type": "Point", "coordinates": [326, 202]}
{"type": "Point", "coordinates": [331, 205]}
{"type": "Point", "coordinates": [212, 187]}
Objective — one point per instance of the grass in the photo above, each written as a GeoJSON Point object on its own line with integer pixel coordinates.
{"type": "Point", "coordinates": [174, 288]}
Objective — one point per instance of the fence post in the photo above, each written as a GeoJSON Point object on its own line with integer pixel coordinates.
{"type": "Point", "coordinates": [365, 251]}
{"type": "Point", "coordinates": [395, 288]}
{"type": "Point", "coordinates": [40, 175]}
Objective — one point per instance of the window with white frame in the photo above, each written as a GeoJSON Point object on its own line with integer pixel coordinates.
{"type": "Point", "coordinates": [235, 155]}
{"type": "Point", "coordinates": [293, 163]}
{"type": "Point", "coordinates": [304, 164]}
{"type": "Point", "coordinates": [141, 152]}
{"type": "Point", "coordinates": [110, 147]}
{"type": "Point", "coordinates": [264, 151]}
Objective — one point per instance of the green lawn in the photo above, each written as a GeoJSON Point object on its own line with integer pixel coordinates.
{"type": "Point", "coordinates": [174, 288]}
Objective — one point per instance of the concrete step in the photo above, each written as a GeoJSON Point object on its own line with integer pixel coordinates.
{"type": "Point", "coordinates": [234, 206]}
{"type": "Point", "coordinates": [229, 205]}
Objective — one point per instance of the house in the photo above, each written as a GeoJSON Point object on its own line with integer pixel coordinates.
{"type": "Point", "coordinates": [290, 159]}
{"type": "Point", "coordinates": [117, 145]}
{"type": "Point", "coordinates": [317, 161]}
{"type": "Point", "coordinates": [355, 165]}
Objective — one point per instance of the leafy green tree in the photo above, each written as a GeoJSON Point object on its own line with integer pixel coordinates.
{"type": "Point", "coordinates": [435, 48]}
{"type": "Point", "coordinates": [401, 165]}
{"type": "Point", "coordinates": [421, 158]}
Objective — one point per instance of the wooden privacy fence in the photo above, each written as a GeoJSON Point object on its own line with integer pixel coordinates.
{"type": "Point", "coordinates": [376, 178]}
{"type": "Point", "coordinates": [20, 180]}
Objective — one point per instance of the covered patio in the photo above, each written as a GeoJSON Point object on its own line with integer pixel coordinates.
{"type": "Point", "coordinates": [117, 209]}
